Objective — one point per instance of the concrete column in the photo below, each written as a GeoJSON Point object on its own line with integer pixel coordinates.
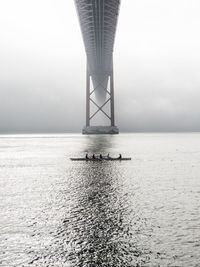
{"type": "Point", "coordinates": [87, 97]}
{"type": "Point", "coordinates": [112, 96]}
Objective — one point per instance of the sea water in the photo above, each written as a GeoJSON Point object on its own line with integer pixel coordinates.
{"type": "Point", "coordinates": [57, 212]}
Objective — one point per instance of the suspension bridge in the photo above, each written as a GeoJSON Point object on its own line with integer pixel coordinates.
{"type": "Point", "coordinates": [98, 22]}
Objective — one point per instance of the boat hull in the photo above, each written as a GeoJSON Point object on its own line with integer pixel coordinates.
{"type": "Point", "coordinates": [98, 159]}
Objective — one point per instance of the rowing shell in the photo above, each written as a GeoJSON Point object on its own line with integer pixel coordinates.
{"type": "Point", "coordinates": [98, 159]}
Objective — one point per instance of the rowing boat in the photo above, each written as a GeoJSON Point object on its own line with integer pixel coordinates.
{"type": "Point", "coordinates": [98, 159]}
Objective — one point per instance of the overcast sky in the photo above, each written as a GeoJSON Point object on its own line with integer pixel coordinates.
{"type": "Point", "coordinates": [156, 66]}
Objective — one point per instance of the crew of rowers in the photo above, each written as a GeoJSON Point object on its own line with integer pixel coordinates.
{"type": "Point", "coordinates": [101, 157]}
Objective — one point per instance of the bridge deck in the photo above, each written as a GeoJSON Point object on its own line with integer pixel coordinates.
{"type": "Point", "coordinates": [98, 21]}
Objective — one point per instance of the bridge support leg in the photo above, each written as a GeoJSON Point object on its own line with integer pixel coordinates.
{"type": "Point", "coordinates": [87, 97]}
{"type": "Point", "coordinates": [112, 97]}
{"type": "Point", "coordinates": [88, 129]}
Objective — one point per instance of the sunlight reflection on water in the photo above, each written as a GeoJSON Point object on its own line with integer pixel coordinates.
{"type": "Point", "coordinates": [55, 212]}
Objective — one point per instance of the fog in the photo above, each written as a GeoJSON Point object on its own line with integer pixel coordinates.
{"type": "Point", "coordinates": [43, 66]}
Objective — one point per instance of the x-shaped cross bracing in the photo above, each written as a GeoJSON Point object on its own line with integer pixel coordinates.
{"type": "Point", "coordinates": [100, 107]}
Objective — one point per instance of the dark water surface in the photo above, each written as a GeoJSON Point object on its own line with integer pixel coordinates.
{"type": "Point", "coordinates": [55, 212]}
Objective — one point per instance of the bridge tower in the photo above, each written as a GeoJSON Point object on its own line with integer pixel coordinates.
{"type": "Point", "coordinates": [98, 22]}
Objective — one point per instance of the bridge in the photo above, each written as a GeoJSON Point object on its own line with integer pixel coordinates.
{"type": "Point", "coordinates": [98, 22]}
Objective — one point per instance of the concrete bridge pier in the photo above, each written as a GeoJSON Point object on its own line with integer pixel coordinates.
{"type": "Point", "coordinates": [111, 129]}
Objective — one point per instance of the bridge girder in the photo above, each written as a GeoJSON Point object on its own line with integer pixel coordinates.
{"type": "Point", "coordinates": [98, 21]}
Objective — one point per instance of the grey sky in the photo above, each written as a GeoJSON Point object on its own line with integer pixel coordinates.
{"type": "Point", "coordinates": [156, 66]}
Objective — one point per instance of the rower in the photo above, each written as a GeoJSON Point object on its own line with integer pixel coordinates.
{"type": "Point", "coordinates": [93, 156]}
{"type": "Point", "coordinates": [100, 156]}
{"type": "Point", "coordinates": [120, 156]}
{"type": "Point", "coordinates": [108, 156]}
{"type": "Point", "coordinates": [86, 156]}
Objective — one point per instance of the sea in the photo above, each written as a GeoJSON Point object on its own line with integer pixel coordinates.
{"type": "Point", "coordinates": [58, 212]}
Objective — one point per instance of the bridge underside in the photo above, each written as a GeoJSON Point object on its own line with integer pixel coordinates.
{"type": "Point", "coordinates": [98, 21]}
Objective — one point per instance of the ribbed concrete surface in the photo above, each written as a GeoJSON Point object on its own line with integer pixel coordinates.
{"type": "Point", "coordinates": [98, 21]}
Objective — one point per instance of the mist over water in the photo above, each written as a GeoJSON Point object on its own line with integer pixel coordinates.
{"type": "Point", "coordinates": [55, 212]}
{"type": "Point", "coordinates": [43, 67]}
